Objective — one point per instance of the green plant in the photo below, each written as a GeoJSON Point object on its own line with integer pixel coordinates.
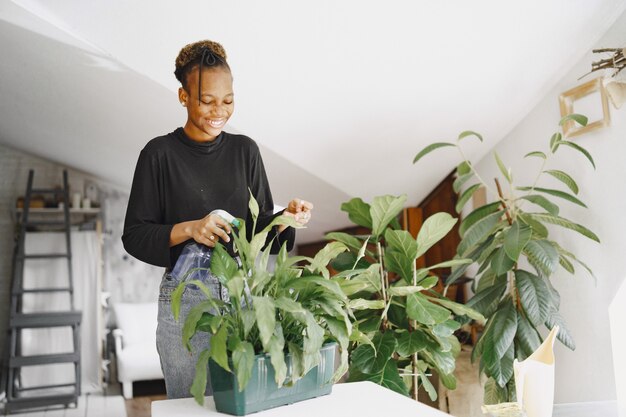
{"type": "Point", "coordinates": [292, 309]}
{"type": "Point", "coordinates": [401, 329]}
{"type": "Point", "coordinates": [503, 238]}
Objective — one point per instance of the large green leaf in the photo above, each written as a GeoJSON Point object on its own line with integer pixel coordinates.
{"type": "Point", "coordinates": [515, 238]}
{"type": "Point", "coordinates": [419, 308]}
{"type": "Point", "coordinates": [198, 386]}
{"type": "Point", "coordinates": [459, 309]}
{"type": "Point", "coordinates": [431, 148]}
{"type": "Point", "coordinates": [542, 256]}
{"type": "Point", "coordinates": [527, 338]}
{"type": "Point", "coordinates": [400, 264]}
{"type": "Point", "coordinates": [486, 301]}
{"type": "Point", "coordinates": [411, 342]}
{"type": "Point", "coordinates": [219, 351]}
{"type": "Point", "coordinates": [401, 241]}
{"type": "Point", "coordinates": [223, 266]}
{"type": "Point", "coordinates": [465, 196]}
{"type": "Point", "coordinates": [579, 149]}
{"type": "Point", "coordinates": [325, 255]}
{"type": "Point", "coordinates": [297, 359]}
{"type": "Point", "coordinates": [554, 142]}
{"type": "Point", "coordinates": [361, 304]}
{"type": "Point", "coordinates": [564, 178]}
{"type": "Point", "coordinates": [555, 318]}
{"type": "Point", "coordinates": [253, 206]}
{"type": "Point", "coordinates": [313, 283]}
{"type": "Point", "coordinates": [542, 202]}
{"type": "Point", "coordinates": [371, 359]}
{"type": "Point", "coordinates": [503, 169]}
{"type": "Point", "coordinates": [358, 212]}
{"type": "Point", "coordinates": [446, 329]}
{"type": "Point", "coordinates": [265, 312]}
{"type": "Point", "coordinates": [194, 315]}
{"type": "Point", "coordinates": [467, 133]}
{"type": "Point", "coordinates": [276, 349]}
{"type": "Point", "coordinates": [503, 328]}
{"type": "Point", "coordinates": [556, 193]}
{"type": "Point", "coordinates": [537, 227]}
{"type": "Point", "coordinates": [534, 295]}
{"type": "Point", "coordinates": [502, 369]}
{"type": "Point", "coordinates": [478, 232]}
{"type": "Point", "coordinates": [243, 361]}
{"type": "Point", "coordinates": [443, 361]}
{"type": "Point", "coordinates": [401, 291]}
{"type": "Point", "coordinates": [383, 210]}
{"type": "Point", "coordinates": [433, 230]}
{"type": "Point", "coordinates": [348, 240]}
{"type": "Point", "coordinates": [560, 221]}
{"type": "Point", "coordinates": [389, 377]}
{"type": "Point", "coordinates": [501, 262]}
{"type": "Point", "coordinates": [463, 168]}
{"type": "Point", "coordinates": [477, 215]}
{"type": "Point", "coordinates": [495, 394]}
{"type": "Point", "coordinates": [428, 386]}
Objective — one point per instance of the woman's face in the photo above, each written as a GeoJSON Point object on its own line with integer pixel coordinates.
{"type": "Point", "coordinates": [206, 118]}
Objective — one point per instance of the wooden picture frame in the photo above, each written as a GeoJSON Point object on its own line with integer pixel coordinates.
{"type": "Point", "coordinates": [569, 97]}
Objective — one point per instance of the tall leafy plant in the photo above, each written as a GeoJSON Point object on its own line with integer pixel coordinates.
{"type": "Point", "coordinates": [290, 308]}
{"type": "Point", "coordinates": [401, 328]}
{"type": "Point", "coordinates": [509, 241]}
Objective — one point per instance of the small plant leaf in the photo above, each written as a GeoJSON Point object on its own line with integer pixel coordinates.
{"type": "Point", "coordinates": [555, 140]}
{"type": "Point", "coordinates": [579, 149]}
{"type": "Point", "coordinates": [469, 133]}
{"type": "Point", "coordinates": [478, 232]}
{"type": "Point", "coordinates": [555, 318]}
{"type": "Point", "coordinates": [542, 256]}
{"type": "Point", "coordinates": [560, 221]}
{"type": "Point", "coordinates": [459, 309]}
{"type": "Point", "coordinates": [401, 241]}
{"type": "Point", "coordinates": [431, 148]}
{"type": "Point", "coordinates": [542, 202]}
{"type": "Point", "coordinates": [358, 212]}
{"type": "Point", "coordinates": [527, 338]}
{"type": "Point", "coordinates": [253, 205]}
{"type": "Point", "coordinates": [361, 304]}
{"type": "Point", "coordinates": [503, 169]}
{"type": "Point", "coordinates": [389, 377]}
{"type": "Point", "coordinates": [465, 197]}
{"type": "Point", "coordinates": [463, 168]}
{"type": "Point", "coordinates": [556, 193]}
{"type": "Point", "coordinates": [515, 238]}
{"type": "Point", "coordinates": [348, 240]}
{"type": "Point", "coordinates": [564, 178]}
{"type": "Point", "coordinates": [495, 394]}
{"type": "Point", "coordinates": [458, 183]}
{"type": "Point", "coordinates": [198, 386]}
{"type": "Point", "coordinates": [536, 154]}
{"type": "Point", "coordinates": [578, 118]}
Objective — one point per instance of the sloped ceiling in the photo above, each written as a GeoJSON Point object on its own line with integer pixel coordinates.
{"type": "Point", "coordinates": [340, 95]}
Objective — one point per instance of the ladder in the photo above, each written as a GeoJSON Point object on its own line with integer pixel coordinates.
{"type": "Point", "coordinates": [19, 397]}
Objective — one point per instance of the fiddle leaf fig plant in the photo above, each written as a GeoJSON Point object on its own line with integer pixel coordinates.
{"type": "Point", "coordinates": [401, 328]}
{"type": "Point", "coordinates": [509, 242]}
{"type": "Point", "coordinates": [288, 309]}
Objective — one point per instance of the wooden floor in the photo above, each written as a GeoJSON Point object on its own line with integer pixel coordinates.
{"type": "Point", "coordinates": [89, 405]}
{"type": "Point", "coordinates": [140, 406]}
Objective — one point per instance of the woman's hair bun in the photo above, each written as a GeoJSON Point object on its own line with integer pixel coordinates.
{"type": "Point", "coordinates": [212, 53]}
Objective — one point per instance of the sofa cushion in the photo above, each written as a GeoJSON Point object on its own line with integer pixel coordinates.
{"type": "Point", "coordinates": [138, 322]}
{"type": "Point", "coordinates": [139, 362]}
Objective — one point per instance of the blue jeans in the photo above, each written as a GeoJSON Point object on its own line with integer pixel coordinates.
{"type": "Point", "coordinates": [177, 363]}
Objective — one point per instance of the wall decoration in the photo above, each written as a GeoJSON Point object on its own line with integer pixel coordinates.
{"type": "Point", "coordinates": [585, 91]}
{"type": "Point", "coordinates": [614, 79]}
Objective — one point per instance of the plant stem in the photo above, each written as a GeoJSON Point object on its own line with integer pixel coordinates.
{"type": "Point", "coordinates": [503, 202]}
{"type": "Point", "coordinates": [384, 283]}
{"type": "Point", "coordinates": [474, 170]}
{"type": "Point", "coordinates": [415, 379]}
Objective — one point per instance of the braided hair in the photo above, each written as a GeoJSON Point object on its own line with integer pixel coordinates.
{"type": "Point", "coordinates": [203, 54]}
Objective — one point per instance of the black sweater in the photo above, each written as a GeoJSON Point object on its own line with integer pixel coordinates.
{"type": "Point", "coordinates": [178, 179]}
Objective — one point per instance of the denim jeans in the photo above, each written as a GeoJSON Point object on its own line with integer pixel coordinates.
{"type": "Point", "coordinates": [177, 363]}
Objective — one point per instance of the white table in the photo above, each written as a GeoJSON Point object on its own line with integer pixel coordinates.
{"type": "Point", "coordinates": [363, 399]}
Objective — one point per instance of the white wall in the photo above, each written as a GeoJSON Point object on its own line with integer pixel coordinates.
{"type": "Point", "coordinates": [585, 374]}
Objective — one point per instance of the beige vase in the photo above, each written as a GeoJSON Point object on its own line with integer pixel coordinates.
{"type": "Point", "coordinates": [534, 379]}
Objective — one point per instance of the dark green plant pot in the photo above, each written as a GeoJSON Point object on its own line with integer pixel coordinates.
{"type": "Point", "coordinates": [262, 393]}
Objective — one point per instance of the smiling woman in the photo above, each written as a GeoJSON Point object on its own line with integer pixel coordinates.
{"type": "Point", "coordinates": [180, 181]}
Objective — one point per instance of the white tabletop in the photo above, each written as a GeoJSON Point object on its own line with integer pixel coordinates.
{"type": "Point", "coordinates": [361, 399]}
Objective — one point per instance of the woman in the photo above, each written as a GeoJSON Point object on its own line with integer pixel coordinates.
{"type": "Point", "coordinates": [180, 178]}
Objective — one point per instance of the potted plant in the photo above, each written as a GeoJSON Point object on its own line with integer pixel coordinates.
{"type": "Point", "coordinates": [509, 241]}
{"type": "Point", "coordinates": [402, 329]}
{"type": "Point", "coordinates": [275, 322]}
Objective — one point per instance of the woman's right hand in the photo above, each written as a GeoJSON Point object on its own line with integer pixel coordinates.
{"type": "Point", "coordinates": [210, 230]}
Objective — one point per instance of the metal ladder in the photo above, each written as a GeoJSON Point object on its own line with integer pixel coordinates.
{"type": "Point", "coordinates": [19, 397]}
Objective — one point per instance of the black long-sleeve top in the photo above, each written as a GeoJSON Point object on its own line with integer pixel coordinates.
{"type": "Point", "coordinates": [178, 179]}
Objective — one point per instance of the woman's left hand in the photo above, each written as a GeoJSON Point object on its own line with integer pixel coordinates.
{"type": "Point", "coordinates": [300, 210]}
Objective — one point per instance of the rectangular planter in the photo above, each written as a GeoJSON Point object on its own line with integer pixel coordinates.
{"type": "Point", "coordinates": [262, 392]}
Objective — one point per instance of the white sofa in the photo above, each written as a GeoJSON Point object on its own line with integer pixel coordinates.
{"type": "Point", "coordinates": [135, 344]}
